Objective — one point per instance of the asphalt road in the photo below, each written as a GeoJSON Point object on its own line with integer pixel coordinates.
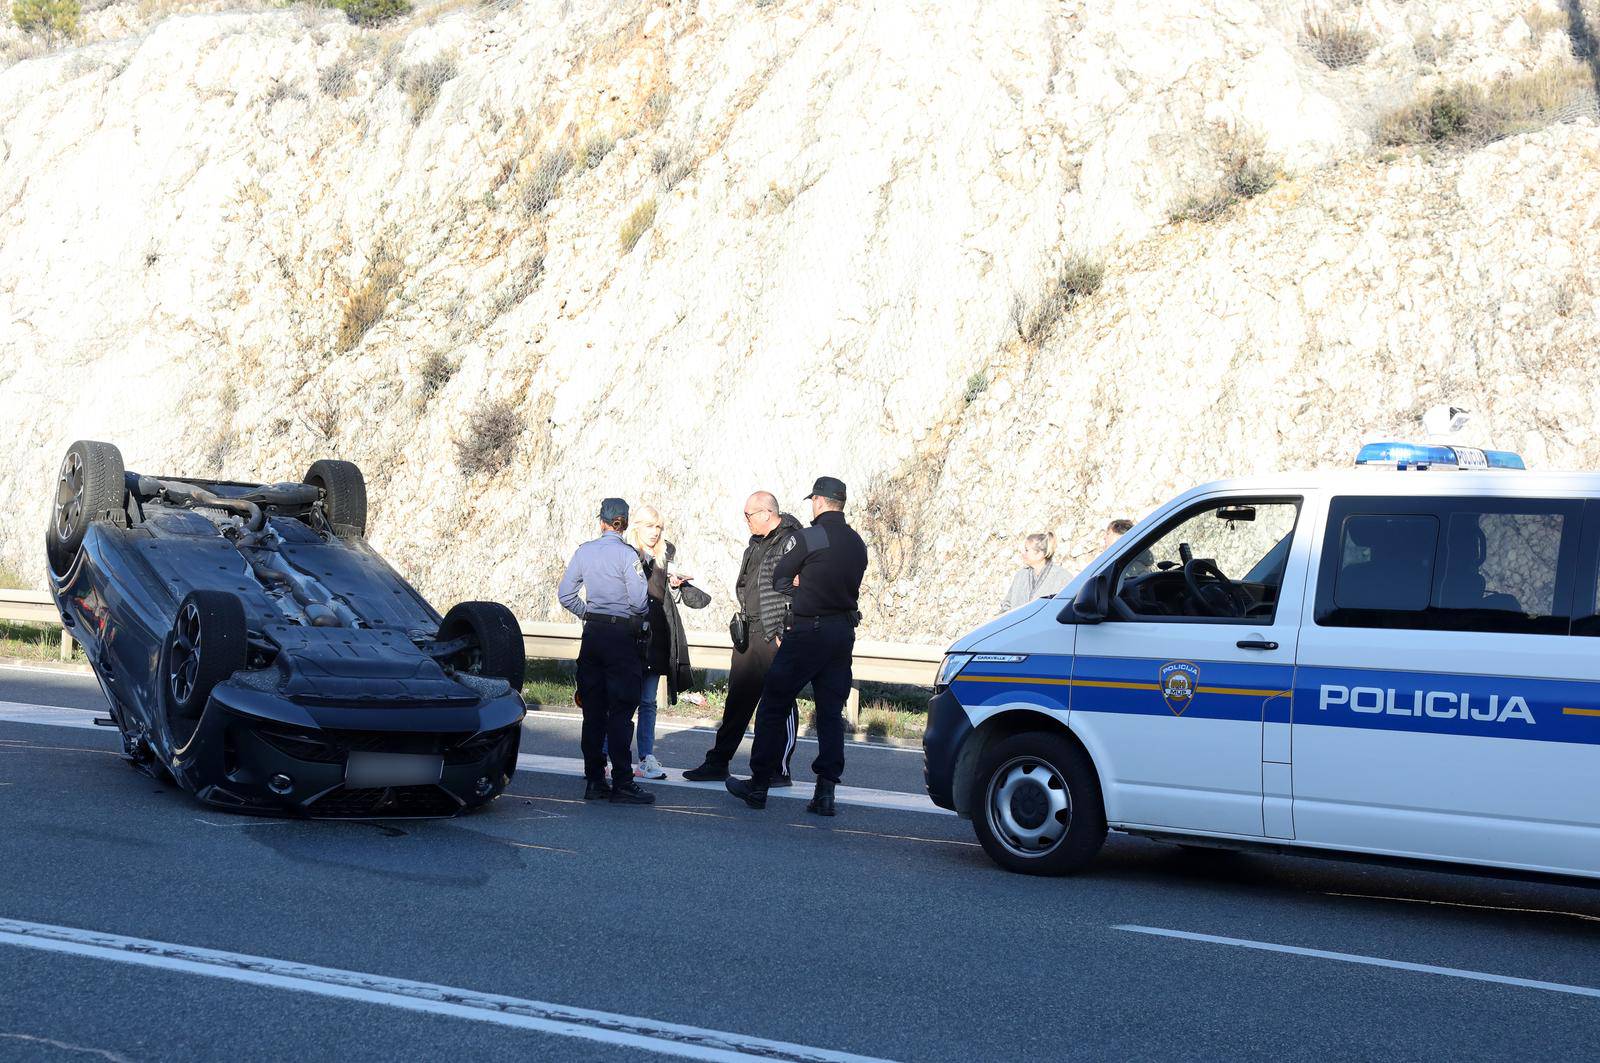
{"type": "Point", "coordinates": [883, 933]}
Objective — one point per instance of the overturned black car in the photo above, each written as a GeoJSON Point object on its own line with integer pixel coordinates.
{"type": "Point", "coordinates": [254, 647]}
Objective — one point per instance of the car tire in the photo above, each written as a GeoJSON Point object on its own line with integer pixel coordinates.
{"type": "Point", "coordinates": [206, 645]}
{"type": "Point", "coordinates": [1036, 805]}
{"type": "Point", "coordinates": [498, 653]}
{"type": "Point", "coordinates": [90, 485]}
{"type": "Point", "coordinates": [344, 495]}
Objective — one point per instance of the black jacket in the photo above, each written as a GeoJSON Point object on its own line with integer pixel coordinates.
{"type": "Point", "coordinates": [669, 649]}
{"type": "Point", "coordinates": [830, 560]}
{"type": "Point", "coordinates": [758, 599]}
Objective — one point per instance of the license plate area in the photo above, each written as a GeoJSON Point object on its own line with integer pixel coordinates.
{"type": "Point", "coordinates": [366, 770]}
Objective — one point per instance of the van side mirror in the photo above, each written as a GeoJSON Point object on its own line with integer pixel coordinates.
{"type": "Point", "coordinates": [1092, 604]}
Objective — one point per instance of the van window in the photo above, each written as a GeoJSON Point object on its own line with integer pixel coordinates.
{"type": "Point", "coordinates": [1220, 561]}
{"type": "Point", "coordinates": [1586, 607]}
{"type": "Point", "coordinates": [1386, 562]}
{"type": "Point", "coordinates": [1449, 564]}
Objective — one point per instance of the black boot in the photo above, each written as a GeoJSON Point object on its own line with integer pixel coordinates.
{"type": "Point", "coordinates": [596, 790]}
{"type": "Point", "coordinates": [752, 791]}
{"type": "Point", "coordinates": [631, 793]}
{"type": "Point", "coordinates": [822, 801]}
{"type": "Point", "coordinates": [780, 781]}
{"type": "Point", "coordinates": [708, 771]}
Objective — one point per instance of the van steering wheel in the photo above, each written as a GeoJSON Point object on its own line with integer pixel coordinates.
{"type": "Point", "coordinates": [1213, 590]}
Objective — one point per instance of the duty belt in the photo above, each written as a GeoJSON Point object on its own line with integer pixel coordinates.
{"type": "Point", "coordinates": [804, 622]}
{"type": "Point", "coordinates": [607, 618]}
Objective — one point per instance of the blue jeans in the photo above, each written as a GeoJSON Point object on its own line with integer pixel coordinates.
{"type": "Point", "coordinates": [649, 694]}
{"type": "Point", "coordinates": [647, 714]}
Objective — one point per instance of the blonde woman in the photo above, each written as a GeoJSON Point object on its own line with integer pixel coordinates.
{"type": "Point", "coordinates": [668, 652]}
{"type": "Point", "coordinates": [1039, 577]}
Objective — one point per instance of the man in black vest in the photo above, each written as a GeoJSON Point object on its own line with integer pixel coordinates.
{"type": "Point", "coordinates": [823, 574]}
{"type": "Point", "coordinates": [762, 613]}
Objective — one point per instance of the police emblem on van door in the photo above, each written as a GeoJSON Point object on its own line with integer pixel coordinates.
{"type": "Point", "coordinates": [1178, 682]}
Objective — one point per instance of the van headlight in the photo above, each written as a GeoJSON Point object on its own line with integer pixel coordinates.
{"type": "Point", "coordinates": [949, 668]}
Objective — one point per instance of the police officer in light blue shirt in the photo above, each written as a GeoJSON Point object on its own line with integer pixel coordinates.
{"type": "Point", "coordinates": [614, 610]}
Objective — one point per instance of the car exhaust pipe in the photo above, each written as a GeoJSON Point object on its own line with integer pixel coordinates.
{"type": "Point", "coordinates": [186, 493]}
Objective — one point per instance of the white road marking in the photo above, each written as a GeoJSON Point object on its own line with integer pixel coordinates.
{"type": "Point", "coordinates": [247, 824]}
{"type": "Point", "coordinates": [44, 668]}
{"type": "Point", "coordinates": [1464, 904]}
{"type": "Point", "coordinates": [664, 726]}
{"type": "Point", "coordinates": [52, 715]}
{"type": "Point", "coordinates": [670, 1039]}
{"type": "Point", "coordinates": [63, 1046]}
{"type": "Point", "coordinates": [1367, 961]}
{"type": "Point", "coordinates": [845, 795]}
{"type": "Point", "coordinates": [894, 800]}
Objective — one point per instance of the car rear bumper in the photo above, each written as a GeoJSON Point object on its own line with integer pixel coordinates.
{"type": "Point", "coordinates": [290, 760]}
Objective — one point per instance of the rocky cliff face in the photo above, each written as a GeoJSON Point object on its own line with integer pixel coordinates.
{"type": "Point", "coordinates": [515, 258]}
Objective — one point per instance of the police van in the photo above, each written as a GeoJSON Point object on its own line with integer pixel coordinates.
{"type": "Point", "coordinates": [1392, 660]}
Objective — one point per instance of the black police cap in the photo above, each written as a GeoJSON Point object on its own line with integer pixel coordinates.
{"type": "Point", "coordinates": [827, 487]}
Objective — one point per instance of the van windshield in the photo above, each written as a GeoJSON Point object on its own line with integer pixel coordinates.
{"type": "Point", "coordinates": [1222, 559]}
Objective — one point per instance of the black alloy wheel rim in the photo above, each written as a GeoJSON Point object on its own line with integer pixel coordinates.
{"type": "Point", "coordinates": [69, 497]}
{"type": "Point", "coordinates": [184, 666]}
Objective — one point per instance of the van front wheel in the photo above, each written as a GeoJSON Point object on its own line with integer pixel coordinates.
{"type": "Point", "coordinates": [1037, 809]}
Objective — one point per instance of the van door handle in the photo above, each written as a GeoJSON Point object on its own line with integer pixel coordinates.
{"type": "Point", "coordinates": [1256, 644]}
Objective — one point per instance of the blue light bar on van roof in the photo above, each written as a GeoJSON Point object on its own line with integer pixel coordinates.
{"type": "Point", "coordinates": [1427, 455]}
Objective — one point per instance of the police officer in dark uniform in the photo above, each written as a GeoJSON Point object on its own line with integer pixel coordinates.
{"type": "Point", "coordinates": [611, 657]}
{"type": "Point", "coordinates": [823, 575]}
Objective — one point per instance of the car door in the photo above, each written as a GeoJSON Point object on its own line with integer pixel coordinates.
{"type": "Point", "coordinates": [1443, 710]}
{"type": "Point", "coordinates": [1171, 692]}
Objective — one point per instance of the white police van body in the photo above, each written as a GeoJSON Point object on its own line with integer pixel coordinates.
{"type": "Point", "coordinates": [1396, 662]}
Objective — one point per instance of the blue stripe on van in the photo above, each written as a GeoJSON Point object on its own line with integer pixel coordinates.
{"type": "Point", "coordinates": [1541, 710]}
{"type": "Point", "coordinates": [1221, 690]}
{"type": "Point", "coordinates": [1547, 710]}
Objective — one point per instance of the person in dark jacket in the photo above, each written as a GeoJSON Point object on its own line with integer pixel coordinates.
{"type": "Point", "coordinates": [668, 651]}
{"type": "Point", "coordinates": [762, 612]}
{"type": "Point", "coordinates": [823, 573]}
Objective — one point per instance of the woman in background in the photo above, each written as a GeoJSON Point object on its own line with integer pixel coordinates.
{"type": "Point", "coordinates": [1039, 577]}
{"type": "Point", "coordinates": [668, 652]}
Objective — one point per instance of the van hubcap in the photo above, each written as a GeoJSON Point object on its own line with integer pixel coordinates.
{"type": "Point", "coordinates": [1029, 806]}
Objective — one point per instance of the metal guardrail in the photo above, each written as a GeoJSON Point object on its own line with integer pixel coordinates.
{"type": "Point", "coordinates": [875, 662]}
{"type": "Point", "coordinates": [36, 607]}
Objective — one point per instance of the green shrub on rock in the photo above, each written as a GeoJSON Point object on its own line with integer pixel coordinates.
{"type": "Point", "coordinates": [372, 12]}
{"type": "Point", "coordinates": [51, 19]}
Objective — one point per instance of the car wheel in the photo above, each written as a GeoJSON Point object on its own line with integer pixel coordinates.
{"type": "Point", "coordinates": [344, 495]}
{"type": "Point", "coordinates": [205, 646]}
{"type": "Point", "coordinates": [495, 641]}
{"type": "Point", "coordinates": [89, 485]}
{"type": "Point", "coordinates": [1037, 807]}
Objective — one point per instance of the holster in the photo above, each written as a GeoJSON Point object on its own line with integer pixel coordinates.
{"type": "Point", "coordinates": [739, 631]}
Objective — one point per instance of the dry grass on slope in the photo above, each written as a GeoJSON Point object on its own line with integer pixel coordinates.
{"type": "Point", "coordinates": [1469, 116]}
{"type": "Point", "coordinates": [366, 305]}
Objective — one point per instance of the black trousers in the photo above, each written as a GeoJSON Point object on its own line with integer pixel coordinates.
{"type": "Point", "coordinates": [745, 679]}
{"type": "Point", "coordinates": [610, 678]}
{"type": "Point", "coordinates": [819, 655]}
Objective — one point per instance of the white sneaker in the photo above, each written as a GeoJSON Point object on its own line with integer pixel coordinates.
{"type": "Point", "coordinates": [650, 768]}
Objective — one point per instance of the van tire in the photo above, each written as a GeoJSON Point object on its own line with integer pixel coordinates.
{"type": "Point", "coordinates": [1025, 784]}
